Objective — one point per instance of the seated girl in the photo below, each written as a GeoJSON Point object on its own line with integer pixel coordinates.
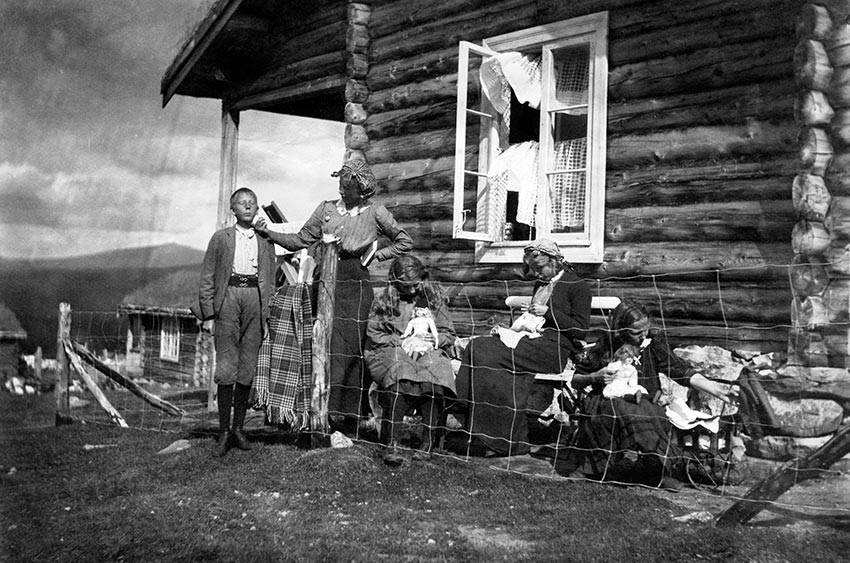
{"type": "Point", "coordinates": [411, 370]}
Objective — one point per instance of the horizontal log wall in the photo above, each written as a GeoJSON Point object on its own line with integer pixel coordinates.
{"type": "Point", "coordinates": [165, 371]}
{"type": "Point", "coordinates": [702, 152]}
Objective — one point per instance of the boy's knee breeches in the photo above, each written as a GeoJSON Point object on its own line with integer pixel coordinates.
{"type": "Point", "coordinates": [238, 334]}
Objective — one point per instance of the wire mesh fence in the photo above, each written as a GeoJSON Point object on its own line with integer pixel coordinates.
{"type": "Point", "coordinates": [728, 447]}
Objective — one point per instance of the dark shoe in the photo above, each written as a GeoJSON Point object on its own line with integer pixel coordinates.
{"type": "Point", "coordinates": [393, 455]}
{"type": "Point", "coordinates": [422, 454]}
{"type": "Point", "coordinates": [670, 484]}
{"type": "Point", "coordinates": [241, 441]}
{"type": "Point", "coordinates": [222, 445]}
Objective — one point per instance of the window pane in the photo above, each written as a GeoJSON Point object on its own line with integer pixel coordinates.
{"type": "Point", "coordinates": [568, 116]}
{"type": "Point", "coordinates": [572, 70]}
{"type": "Point", "coordinates": [568, 189]}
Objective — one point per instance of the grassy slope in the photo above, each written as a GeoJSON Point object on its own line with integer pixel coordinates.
{"type": "Point", "coordinates": [281, 503]}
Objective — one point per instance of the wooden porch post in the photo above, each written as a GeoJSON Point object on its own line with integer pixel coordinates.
{"type": "Point", "coordinates": [226, 186]}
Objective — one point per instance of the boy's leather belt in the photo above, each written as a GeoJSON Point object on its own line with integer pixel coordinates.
{"type": "Point", "coordinates": [240, 280]}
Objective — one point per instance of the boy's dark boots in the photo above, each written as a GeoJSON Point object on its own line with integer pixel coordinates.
{"type": "Point", "coordinates": [240, 407]}
{"type": "Point", "coordinates": [225, 402]}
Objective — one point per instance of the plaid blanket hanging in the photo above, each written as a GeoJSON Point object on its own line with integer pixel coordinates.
{"type": "Point", "coordinates": [284, 378]}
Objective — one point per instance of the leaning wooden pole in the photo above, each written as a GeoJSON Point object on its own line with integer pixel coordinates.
{"type": "Point", "coordinates": [322, 330]}
{"type": "Point", "coordinates": [771, 488]}
{"type": "Point", "coordinates": [63, 369]}
{"type": "Point", "coordinates": [102, 400]}
{"type": "Point", "coordinates": [126, 382]}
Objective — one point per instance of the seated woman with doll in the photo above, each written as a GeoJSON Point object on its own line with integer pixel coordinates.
{"type": "Point", "coordinates": [621, 438]}
{"type": "Point", "coordinates": [409, 337]}
{"type": "Point", "coordinates": [497, 371]}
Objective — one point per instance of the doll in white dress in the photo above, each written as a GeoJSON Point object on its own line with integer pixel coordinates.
{"type": "Point", "coordinates": [624, 382]}
{"type": "Point", "coordinates": [414, 337]}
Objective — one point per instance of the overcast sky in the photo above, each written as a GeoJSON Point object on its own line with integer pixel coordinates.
{"type": "Point", "coordinates": [89, 159]}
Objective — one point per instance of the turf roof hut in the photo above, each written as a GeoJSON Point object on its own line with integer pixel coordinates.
{"type": "Point", "coordinates": [12, 334]}
{"type": "Point", "coordinates": [165, 333]}
{"type": "Point", "coordinates": [666, 159]}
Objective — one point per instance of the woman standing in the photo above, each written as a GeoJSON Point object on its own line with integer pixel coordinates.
{"type": "Point", "coordinates": [410, 371]}
{"type": "Point", "coordinates": [357, 223]}
{"type": "Point", "coordinates": [494, 380]}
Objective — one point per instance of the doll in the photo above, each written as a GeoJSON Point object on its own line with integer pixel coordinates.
{"type": "Point", "coordinates": [413, 337]}
{"type": "Point", "coordinates": [625, 376]}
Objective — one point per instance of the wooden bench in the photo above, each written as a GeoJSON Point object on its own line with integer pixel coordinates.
{"type": "Point", "coordinates": [601, 304]}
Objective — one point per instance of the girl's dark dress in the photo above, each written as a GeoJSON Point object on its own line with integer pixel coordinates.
{"type": "Point", "coordinates": [494, 381]}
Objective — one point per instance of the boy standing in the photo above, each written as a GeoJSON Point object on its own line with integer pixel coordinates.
{"type": "Point", "coordinates": [237, 282]}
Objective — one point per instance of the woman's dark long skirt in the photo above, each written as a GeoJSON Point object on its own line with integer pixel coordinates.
{"type": "Point", "coordinates": [626, 441]}
{"type": "Point", "coordinates": [353, 300]}
{"type": "Point", "coordinates": [494, 383]}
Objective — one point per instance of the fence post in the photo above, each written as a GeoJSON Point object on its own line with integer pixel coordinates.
{"type": "Point", "coordinates": [37, 365]}
{"type": "Point", "coordinates": [63, 368]}
{"type": "Point", "coordinates": [322, 330]}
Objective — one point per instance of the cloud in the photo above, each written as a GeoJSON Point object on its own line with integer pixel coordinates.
{"type": "Point", "coordinates": [88, 156]}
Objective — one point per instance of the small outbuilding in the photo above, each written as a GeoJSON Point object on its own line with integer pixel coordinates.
{"type": "Point", "coordinates": [164, 335]}
{"type": "Point", "coordinates": [12, 334]}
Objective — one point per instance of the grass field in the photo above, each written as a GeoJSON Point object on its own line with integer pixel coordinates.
{"type": "Point", "coordinates": [93, 492]}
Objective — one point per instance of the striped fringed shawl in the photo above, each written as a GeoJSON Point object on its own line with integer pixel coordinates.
{"type": "Point", "coordinates": [284, 379]}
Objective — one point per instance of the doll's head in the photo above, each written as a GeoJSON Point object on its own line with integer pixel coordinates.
{"type": "Point", "coordinates": [421, 312]}
{"type": "Point", "coordinates": [627, 353]}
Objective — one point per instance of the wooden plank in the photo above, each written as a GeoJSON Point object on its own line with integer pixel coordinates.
{"type": "Point", "coordinates": [765, 302]}
{"type": "Point", "coordinates": [126, 382]}
{"type": "Point", "coordinates": [316, 87]}
{"type": "Point", "coordinates": [62, 397]}
{"type": "Point", "coordinates": [293, 74]}
{"type": "Point", "coordinates": [195, 47]}
{"type": "Point", "coordinates": [655, 30]}
{"type": "Point", "coordinates": [322, 331]}
{"type": "Point", "coordinates": [92, 385]}
{"type": "Point", "coordinates": [446, 31]}
{"type": "Point", "coordinates": [760, 221]}
{"type": "Point", "coordinates": [435, 90]}
{"type": "Point", "coordinates": [753, 138]}
{"type": "Point", "coordinates": [722, 179]}
{"type": "Point", "coordinates": [685, 260]}
{"type": "Point", "coordinates": [773, 486]}
{"type": "Point", "coordinates": [754, 61]}
{"type": "Point", "coordinates": [735, 103]}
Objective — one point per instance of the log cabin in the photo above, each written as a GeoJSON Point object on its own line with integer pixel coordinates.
{"type": "Point", "coordinates": [688, 154]}
{"type": "Point", "coordinates": [164, 334]}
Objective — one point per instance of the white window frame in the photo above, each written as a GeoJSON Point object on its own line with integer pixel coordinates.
{"type": "Point", "coordinates": [169, 339]}
{"type": "Point", "coordinates": [584, 247]}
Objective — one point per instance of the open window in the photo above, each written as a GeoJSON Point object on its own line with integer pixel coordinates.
{"type": "Point", "coordinates": [531, 137]}
{"type": "Point", "coordinates": [169, 339]}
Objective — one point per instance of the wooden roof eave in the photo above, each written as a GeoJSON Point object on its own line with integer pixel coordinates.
{"type": "Point", "coordinates": [195, 47]}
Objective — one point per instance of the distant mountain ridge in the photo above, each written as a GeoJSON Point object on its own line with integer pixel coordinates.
{"type": "Point", "coordinates": [94, 285]}
{"type": "Point", "coordinates": [163, 256]}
